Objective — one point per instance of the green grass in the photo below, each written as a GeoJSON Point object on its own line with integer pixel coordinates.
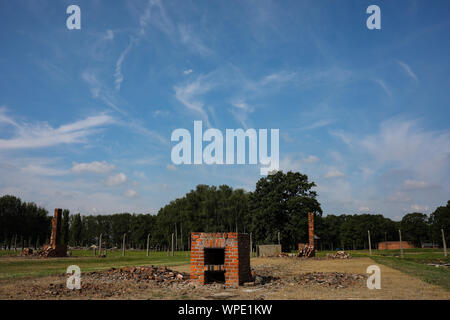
{"type": "Point", "coordinates": [21, 268]}
{"type": "Point", "coordinates": [9, 252]}
{"type": "Point", "coordinates": [414, 263]}
{"type": "Point", "coordinates": [416, 267]}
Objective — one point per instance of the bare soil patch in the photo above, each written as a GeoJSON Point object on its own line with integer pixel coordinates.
{"type": "Point", "coordinates": [276, 278]}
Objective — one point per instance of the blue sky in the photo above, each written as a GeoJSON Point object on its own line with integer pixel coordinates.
{"type": "Point", "coordinates": [86, 115]}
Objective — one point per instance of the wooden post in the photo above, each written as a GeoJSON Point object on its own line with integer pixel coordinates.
{"type": "Point", "coordinates": [172, 245]}
{"type": "Point", "coordinates": [176, 238]}
{"type": "Point", "coordinates": [181, 236]}
{"type": "Point", "coordinates": [15, 243]}
{"type": "Point", "coordinates": [148, 243]}
{"type": "Point", "coordinates": [370, 246]}
{"type": "Point", "coordinates": [443, 241]}
{"type": "Point", "coordinates": [278, 237]}
{"type": "Point", "coordinates": [401, 247]}
{"type": "Point", "coordinates": [100, 245]}
{"type": "Point", "coordinates": [123, 245]}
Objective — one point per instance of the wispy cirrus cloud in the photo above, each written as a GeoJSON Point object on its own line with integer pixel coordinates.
{"type": "Point", "coordinates": [189, 94]}
{"type": "Point", "coordinates": [384, 86]}
{"type": "Point", "coordinates": [319, 124]}
{"type": "Point", "coordinates": [408, 70]}
{"type": "Point", "coordinates": [41, 134]}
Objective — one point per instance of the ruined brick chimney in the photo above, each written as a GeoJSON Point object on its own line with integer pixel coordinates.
{"type": "Point", "coordinates": [55, 248]}
{"type": "Point", "coordinates": [220, 257]}
{"type": "Point", "coordinates": [311, 230]}
{"type": "Point", "coordinates": [55, 238]}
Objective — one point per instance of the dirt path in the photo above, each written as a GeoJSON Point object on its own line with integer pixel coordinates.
{"type": "Point", "coordinates": [292, 280]}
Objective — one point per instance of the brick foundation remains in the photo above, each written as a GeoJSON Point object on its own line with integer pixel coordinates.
{"type": "Point", "coordinates": [220, 257]}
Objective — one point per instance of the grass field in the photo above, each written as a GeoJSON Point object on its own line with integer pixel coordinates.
{"type": "Point", "coordinates": [12, 266]}
{"type": "Point", "coordinates": [414, 263]}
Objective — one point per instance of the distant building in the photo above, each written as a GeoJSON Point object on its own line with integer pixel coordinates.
{"type": "Point", "coordinates": [394, 245]}
{"type": "Point", "coordinates": [429, 245]}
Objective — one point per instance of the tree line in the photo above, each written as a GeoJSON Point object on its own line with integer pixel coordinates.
{"type": "Point", "coordinates": [278, 207]}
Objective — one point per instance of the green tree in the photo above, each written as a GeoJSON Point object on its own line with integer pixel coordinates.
{"type": "Point", "coordinates": [76, 230]}
{"type": "Point", "coordinates": [440, 219]}
{"type": "Point", "coordinates": [65, 232]}
{"type": "Point", "coordinates": [280, 203]}
{"type": "Point", "coordinates": [415, 228]}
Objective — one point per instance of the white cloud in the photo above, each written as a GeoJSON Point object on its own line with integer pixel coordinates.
{"type": "Point", "coordinates": [118, 76]}
{"type": "Point", "coordinates": [333, 173]}
{"type": "Point", "coordinates": [130, 193]}
{"type": "Point", "coordinates": [140, 174]}
{"type": "Point", "coordinates": [192, 41]}
{"type": "Point", "coordinates": [190, 93]}
{"type": "Point", "coordinates": [417, 184]}
{"type": "Point", "coordinates": [109, 35]}
{"type": "Point", "coordinates": [278, 77]}
{"type": "Point", "coordinates": [319, 124]}
{"type": "Point", "coordinates": [403, 145]}
{"type": "Point", "coordinates": [116, 180]}
{"type": "Point", "coordinates": [38, 135]}
{"type": "Point", "coordinates": [407, 69]}
{"type": "Point", "coordinates": [383, 85]}
{"type": "Point", "coordinates": [188, 71]}
{"type": "Point", "coordinates": [240, 112]}
{"type": "Point", "coordinates": [95, 166]}
{"type": "Point", "coordinates": [171, 167]}
{"type": "Point", "coordinates": [100, 91]}
{"type": "Point", "coordinates": [419, 208]}
{"type": "Point", "coordinates": [40, 170]}
{"type": "Point", "coordinates": [363, 209]}
{"type": "Point", "coordinates": [310, 159]}
{"type": "Point", "coordinates": [160, 113]}
{"type": "Point", "coordinates": [399, 197]}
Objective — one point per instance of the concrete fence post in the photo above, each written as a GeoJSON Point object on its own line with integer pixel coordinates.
{"type": "Point", "coordinates": [172, 245]}
{"type": "Point", "coordinates": [443, 242]}
{"type": "Point", "coordinates": [123, 245]}
{"type": "Point", "coordinates": [100, 244]}
{"type": "Point", "coordinates": [148, 243]}
{"type": "Point", "coordinates": [370, 246]}
{"type": "Point", "coordinates": [401, 245]}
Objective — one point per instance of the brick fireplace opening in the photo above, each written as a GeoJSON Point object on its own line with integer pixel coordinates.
{"type": "Point", "coordinates": [220, 257]}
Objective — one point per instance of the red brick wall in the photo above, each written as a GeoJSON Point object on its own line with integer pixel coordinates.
{"type": "Point", "coordinates": [237, 256]}
{"type": "Point", "coordinates": [394, 245]}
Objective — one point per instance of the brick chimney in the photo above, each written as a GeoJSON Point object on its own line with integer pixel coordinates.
{"type": "Point", "coordinates": [311, 229]}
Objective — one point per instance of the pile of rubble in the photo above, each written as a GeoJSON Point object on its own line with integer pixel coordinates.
{"type": "Point", "coordinates": [306, 251]}
{"type": "Point", "coordinates": [335, 280]}
{"type": "Point", "coordinates": [146, 273]}
{"type": "Point", "coordinates": [339, 255]}
{"type": "Point", "coordinates": [45, 252]}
